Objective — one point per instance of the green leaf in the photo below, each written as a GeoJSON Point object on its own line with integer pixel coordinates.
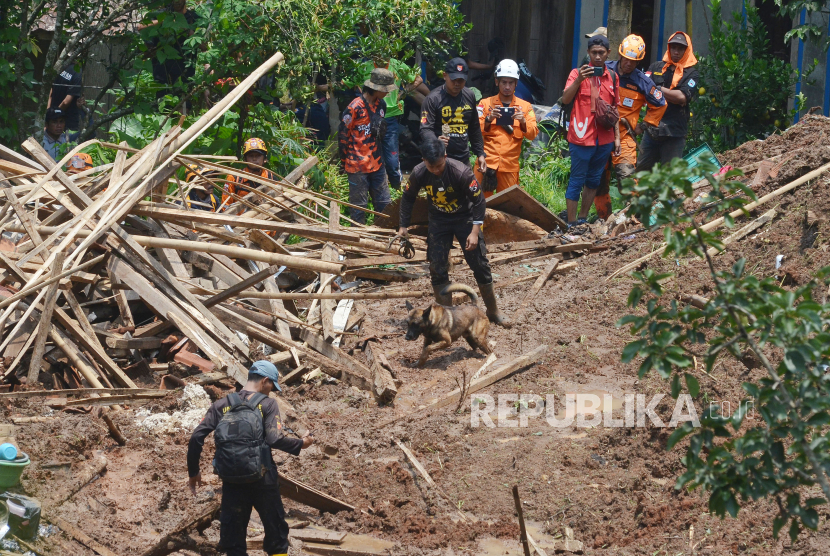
{"type": "Point", "coordinates": [794, 530]}
{"type": "Point", "coordinates": [675, 386]}
{"type": "Point", "coordinates": [693, 385]}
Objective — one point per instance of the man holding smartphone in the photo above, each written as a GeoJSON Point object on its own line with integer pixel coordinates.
{"type": "Point", "coordinates": [505, 121]}
{"type": "Point", "coordinates": [590, 143]}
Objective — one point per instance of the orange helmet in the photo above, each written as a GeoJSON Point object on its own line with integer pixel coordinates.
{"type": "Point", "coordinates": [81, 161]}
{"type": "Point", "coordinates": [254, 144]}
{"type": "Point", "coordinates": [194, 170]}
{"type": "Point", "coordinates": [633, 47]}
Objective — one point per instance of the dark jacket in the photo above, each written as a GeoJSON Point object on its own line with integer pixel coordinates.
{"type": "Point", "coordinates": [461, 114]}
{"type": "Point", "coordinates": [274, 436]}
{"type": "Point", "coordinates": [454, 194]}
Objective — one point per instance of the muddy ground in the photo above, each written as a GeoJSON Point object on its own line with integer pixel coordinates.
{"type": "Point", "coordinates": [613, 486]}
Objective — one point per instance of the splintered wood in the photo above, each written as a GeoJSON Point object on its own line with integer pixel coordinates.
{"type": "Point", "coordinates": [119, 275]}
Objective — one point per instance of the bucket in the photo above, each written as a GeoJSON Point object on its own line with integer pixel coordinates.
{"type": "Point", "coordinates": [10, 471]}
{"type": "Point", "coordinates": [8, 451]}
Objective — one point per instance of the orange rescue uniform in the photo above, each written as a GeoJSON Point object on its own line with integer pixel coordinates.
{"type": "Point", "coordinates": [242, 186]}
{"type": "Point", "coordinates": [501, 148]}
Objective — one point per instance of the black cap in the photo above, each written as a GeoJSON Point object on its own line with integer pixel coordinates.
{"type": "Point", "coordinates": [679, 38]}
{"type": "Point", "coordinates": [599, 40]}
{"type": "Point", "coordinates": [54, 114]}
{"type": "Point", "coordinates": [456, 68]}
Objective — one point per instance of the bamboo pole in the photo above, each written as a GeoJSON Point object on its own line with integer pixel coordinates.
{"type": "Point", "coordinates": [709, 226]}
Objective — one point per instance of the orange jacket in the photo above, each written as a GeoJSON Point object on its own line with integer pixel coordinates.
{"type": "Point", "coordinates": [502, 149]}
{"type": "Point", "coordinates": [242, 186]}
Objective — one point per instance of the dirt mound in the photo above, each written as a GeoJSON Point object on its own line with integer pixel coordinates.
{"type": "Point", "coordinates": [801, 148]}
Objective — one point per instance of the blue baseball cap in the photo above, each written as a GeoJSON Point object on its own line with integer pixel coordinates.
{"type": "Point", "coordinates": [268, 370]}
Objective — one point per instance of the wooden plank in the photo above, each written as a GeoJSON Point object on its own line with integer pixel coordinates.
{"type": "Point", "coordinates": [515, 201]}
{"type": "Point", "coordinates": [166, 309]}
{"type": "Point", "coordinates": [328, 306]}
{"type": "Point", "coordinates": [537, 286]}
{"type": "Point", "coordinates": [315, 535]}
{"type": "Point", "coordinates": [241, 286]}
{"type": "Point", "coordinates": [520, 362]}
{"type": "Point", "coordinates": [178, 215]}
{"type": "Point", "coordinates": [134, 343]}
{"type": "Point", "coordinates": [388, 259]}
{"type": "Point", "coordinates": [81, 537]}
{"type": "Point", "coordinates": [305, 494]}
{"type": "Point", "coordinates": [384, 275]}
{"type": "Point", "coordinates": [78, 392]}
{"type": "Point", "coordinates": [384, 385]}
{"type": "Point", "coordinates": [46, 317]}
{"type": "Point", "coordinates": [743, 232]}
{"type": "Point", "coordinates": [358, 374]}
{"type": "Point", "coordinates": [522, 530]}
{"type": "Point", "coordinates": [121, 301]}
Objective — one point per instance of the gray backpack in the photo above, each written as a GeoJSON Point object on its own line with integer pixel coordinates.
{"type": "Point", "coordinates": [242, 456]}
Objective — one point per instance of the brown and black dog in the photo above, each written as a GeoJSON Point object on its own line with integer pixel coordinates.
{"type": "Point", "coordinates": [441, 325]}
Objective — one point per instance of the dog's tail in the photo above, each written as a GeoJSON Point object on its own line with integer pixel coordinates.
{"type": "Point", "coordinates": [462, 288]}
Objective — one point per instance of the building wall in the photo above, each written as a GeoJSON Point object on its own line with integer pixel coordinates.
{"type": "Point", "coordinates": [816, 86]}
{"type": "Point", "coordinates": [540, 32]}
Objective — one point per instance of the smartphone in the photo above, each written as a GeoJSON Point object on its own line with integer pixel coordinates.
{"type": "Point", "coordinates": [598, 70]}
{"type": "Point", "coordinates": [506, 115]}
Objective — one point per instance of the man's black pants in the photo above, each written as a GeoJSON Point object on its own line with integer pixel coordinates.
{"type": "Point", "coordinates": [439, 243]}
{"type": "Point", "coordinates": [662, 150]}
{"type": "Point", "coordinates": [235, 512]}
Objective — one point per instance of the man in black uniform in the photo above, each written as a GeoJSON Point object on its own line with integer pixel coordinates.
{"type": "Point", "coordinates": [449, 113]}
{"type": "Point", "coordinates": [264, 494]}
{"type": "Point", "coordinates": [677, 79]}
{"type": "Point", "coordinates": [456, 210]}
{"type": "Point", "coordinates": [66, 89]}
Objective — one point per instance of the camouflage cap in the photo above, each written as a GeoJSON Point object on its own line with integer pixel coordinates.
{"type": "Point", "coordinates": [381, 80]}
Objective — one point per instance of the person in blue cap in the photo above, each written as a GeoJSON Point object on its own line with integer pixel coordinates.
{"type": "Point", "coordinates": [234, 420]}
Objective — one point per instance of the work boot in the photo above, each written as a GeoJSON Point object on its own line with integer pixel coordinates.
{"type": "Point", "coordinates": [488, 294]}
{"type": "Point", "coordinates": [442, 298]}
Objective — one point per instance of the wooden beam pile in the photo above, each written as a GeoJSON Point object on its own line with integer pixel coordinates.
{"type": "Point", "coordinates": [108, 275]}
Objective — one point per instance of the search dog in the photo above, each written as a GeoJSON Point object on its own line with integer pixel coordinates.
{"type": "Point", "coordinates": [441, 325]}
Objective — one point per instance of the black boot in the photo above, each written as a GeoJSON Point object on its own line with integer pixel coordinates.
{"type": "Point", "coordinates": [488, 294]}
{"type": "Point", "coordinates": [442, 298]}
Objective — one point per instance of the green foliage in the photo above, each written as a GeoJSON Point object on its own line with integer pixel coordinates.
{"type": "Point", "coordinates": [784, 454]}
{"type": "Point", "coordinates": [13, 79]}
{"type": "Point", "coordinates": [744, 91]}
{"type": "Point", "coordinates": [809, 31]}
{"type": "Point", "coordinates": [544, 172]}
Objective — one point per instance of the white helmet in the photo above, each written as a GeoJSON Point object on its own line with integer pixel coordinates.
{"type": "Point", "coordinates": [507, 68]}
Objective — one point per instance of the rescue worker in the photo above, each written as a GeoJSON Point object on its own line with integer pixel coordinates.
{"type": "Point", "coordinates": [239, 497]}
{"type": "Point", "coordinates": [362, 127]}
{"type": "Point", "coordinates": [254, 153]}
{"type": "Point", "coordinates": [449, 114]}
{"type": "Point", "coordinates": [407, 79]}
{"type": "Point", "coordinates": [502, 140]}
{"type": "Point", "coordinates": [80, 162]}
{"type": "Point", "coordinates": [200, 196]}
{"type": "Point", "coordinates": [456, 210]}
{"type": "Point", "coordinates": [590, 143]}
{"type": "Point", "coordinates": [636, 89]}
{"type": "Point", "coordinates": [677, 79]}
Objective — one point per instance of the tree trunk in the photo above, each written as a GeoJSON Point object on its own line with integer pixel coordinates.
{"type": "Point", "coordinates": [619, 22]}
{"type": "Point", "coordinates": [19, 57]}
{"type": "Point", "coordinates": [49, 69]}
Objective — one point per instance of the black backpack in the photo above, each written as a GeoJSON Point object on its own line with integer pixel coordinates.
{"type": "Point", "coordinates": [242, 456]}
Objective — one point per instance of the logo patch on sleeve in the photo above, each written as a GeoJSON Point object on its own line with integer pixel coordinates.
{"type": "Point", "coordinates": [474, 186]}
{"type": "Point", "coordinates": [658, 95]}
{"type": "Point", "coordinates": [347, 119]}
{"type": "Point", "coordinates": [691, 82]}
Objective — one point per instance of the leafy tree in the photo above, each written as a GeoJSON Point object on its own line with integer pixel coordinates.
{"type": "Point", "coordinates": [744, 90]}
{"type": "Point", "coordinates": [78, 26]}
{"type": "Point", "coordinates": [784, 455]}
{"type": "Point", "coordinates": [808, 31]}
